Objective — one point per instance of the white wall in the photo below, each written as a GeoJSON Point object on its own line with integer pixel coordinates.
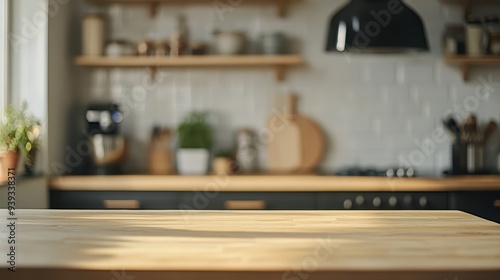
{"type": "Point", "coordinates": [373, 107]}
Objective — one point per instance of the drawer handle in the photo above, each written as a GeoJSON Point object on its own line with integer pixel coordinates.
{"type": "Point", "coordinates": [245, 205]}
{"type": "Point", "coordinates": [496, 203]}
{"type": "Point", "coordinates": [122, 204]}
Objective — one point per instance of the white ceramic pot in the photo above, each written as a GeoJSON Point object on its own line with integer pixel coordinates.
{"type": "Point", "coordinates": [229, 43]}
{"type": "Point", "coordinates": [192, 161]}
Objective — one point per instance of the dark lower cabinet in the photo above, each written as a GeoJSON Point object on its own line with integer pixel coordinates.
{"type": "Point", "coordinates": [114, 200]}
{"type": "Point", "coordinates": [483, 204]}
{"type": "Point", "coordinates": [248, 201]}
{"type": "Point", "coordinates": [181, 200]}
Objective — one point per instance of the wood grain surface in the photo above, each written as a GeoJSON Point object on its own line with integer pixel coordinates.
{"type": "Point", "coordinates": [270, 183]}
{"type": "Point", "coordinates": [280, 243]}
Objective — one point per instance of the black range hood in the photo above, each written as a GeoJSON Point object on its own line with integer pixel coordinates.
{"type": "Point", "coordinates": [376, 26]}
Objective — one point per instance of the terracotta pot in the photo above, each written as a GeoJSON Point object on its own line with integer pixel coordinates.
{"type": "Point", "coordinates": [8, 160]}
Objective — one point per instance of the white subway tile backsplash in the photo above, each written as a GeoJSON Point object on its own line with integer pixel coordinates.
{"type": "Point", "coordinates": [374, 109]}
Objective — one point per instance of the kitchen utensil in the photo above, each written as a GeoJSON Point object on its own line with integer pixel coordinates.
{"type": "Point", "coordinates": [246, 151]}
{"type": "Point", "coordinates": [179, 39]}
{"type": "Point", "coordinates": [488, 131]}
{"type": "Point", "coordinates": [93, 35]}
{"type": "Point", "coordinates": [272, 43]}
{"type": "Point", "coordinates": [312, 141]}
{"type": "Point", "coordinates": [454, 39]}
{"type": "Point", "coordinates": [474, 36]}
{"type": "Point", "coordinates": [198, 48]}
{"type": "Point", "coordinates": [161, 48]}
{"type": "Point", "coordinates": [108, 153]}
{"type": "Point", "coordinates": [160, 155]}
{"type": "Point", "coordinates": [284, 147]}
{"type": "Point", "coordinates": [145, 48]}
{"type": "Point", "coordinates": [453, 127]}
{"type": "Point", "coordinates": [475, 158]}
{"type": "Point", "coordinates": [229, 43]}
{"type": "Point", "coordinates": [459, 158]}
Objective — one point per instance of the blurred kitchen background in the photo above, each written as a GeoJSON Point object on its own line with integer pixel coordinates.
{"type": "Point", "coordinates": [375, 110]}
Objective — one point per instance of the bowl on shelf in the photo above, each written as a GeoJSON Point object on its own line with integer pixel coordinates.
{"type": "Point", "coordinates": [229, 43]}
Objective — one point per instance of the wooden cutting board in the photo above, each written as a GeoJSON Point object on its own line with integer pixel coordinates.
{"type": "Point", "coordinates": [298, 146]}
{"type": "Point", "coordinates": [313, 144]}
{"type": "Point", "coordinates": [283, 143]}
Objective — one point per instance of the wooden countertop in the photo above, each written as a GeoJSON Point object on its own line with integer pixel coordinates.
{"type": "Point", "coordinates": [270, 183]}
{"type": "Point", "coordinates": [253, 245]}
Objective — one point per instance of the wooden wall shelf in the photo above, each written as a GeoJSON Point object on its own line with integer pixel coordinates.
{"type": "Point", "coordinates": [468, 62]}
{"type": "Point", "coordinates": [280, 63]}
{"type": "Point", "coordinates": [281, 5]}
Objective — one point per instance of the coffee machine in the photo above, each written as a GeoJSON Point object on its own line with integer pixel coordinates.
{"type": "Point", "coordinates": [109, 147]}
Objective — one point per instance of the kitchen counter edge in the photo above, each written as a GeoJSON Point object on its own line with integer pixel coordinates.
{"type": "Point", "coordinates": [272, 183]}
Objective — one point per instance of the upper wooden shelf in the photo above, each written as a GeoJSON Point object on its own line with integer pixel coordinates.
{"type": "Point", "coordinates": [280, 63]}
{"type": "Point", "coordinates": [281, 5]}
{"type": "Point", "coordinates": [467, 62]}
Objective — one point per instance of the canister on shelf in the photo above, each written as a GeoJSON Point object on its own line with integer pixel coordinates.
{"type": "Point", "coordinates": [145, 48]}
{"type": "Point", "coordinates": [118, 47]}
{"type": "Point", "coordinates": [454, 39]}
{"type": "Point", "coordinates": [161, 48]}
{"type": "Point", "coordinates": [475, 36]}
{"type": "Point", "coordinates": [492, 30]}
{"type": "Point", "coordinates": [93, 29]}
{"type": "Point", "coordinates": [246, 151]}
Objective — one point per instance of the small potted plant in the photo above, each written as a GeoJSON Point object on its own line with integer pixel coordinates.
{"type": "Point", "coordinates": [19, 134]}
{"type": "Point", "coordinates": [195, 141]}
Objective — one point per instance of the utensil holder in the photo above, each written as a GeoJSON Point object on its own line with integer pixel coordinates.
{"type": "Point", "coordinates": [467, 158]}
{"type": "Point", "coordinates": [459, 158]}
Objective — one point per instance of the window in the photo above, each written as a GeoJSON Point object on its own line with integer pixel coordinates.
{"type": "Point", "coordinates": [4, 55]}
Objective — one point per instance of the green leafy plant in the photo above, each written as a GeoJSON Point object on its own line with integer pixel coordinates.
{"type": "Point", "coordinates": [194, 132]}
{"type": "Point", "coordinates": [19, 131]}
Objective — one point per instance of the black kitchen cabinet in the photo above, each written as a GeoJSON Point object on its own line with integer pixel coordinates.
{"type": "Point", "coordinates": [114, 200]}
{"type": "Point", "coordinates": [483, 204]}
{"type": "Point", "coordinates": [181, 200]}
{"type": "Point", "coordinates": [248, 201]}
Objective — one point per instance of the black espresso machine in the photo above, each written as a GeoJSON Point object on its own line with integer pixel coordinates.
{"type": "Point", "coordinates": [109, 147]}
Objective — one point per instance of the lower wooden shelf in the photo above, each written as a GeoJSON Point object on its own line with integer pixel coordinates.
{"type": "Point", "coordinates": [280, 63]}
{"type": "Point", "coordinates": [467, 62]}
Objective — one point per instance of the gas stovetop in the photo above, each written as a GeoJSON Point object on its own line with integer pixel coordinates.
{"type": "Point", "coordinates": [399, 172]}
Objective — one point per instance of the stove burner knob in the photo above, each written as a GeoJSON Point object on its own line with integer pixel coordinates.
{"type": "Point", "coordinates": [360, 200]}
{"type": "Point", "coordinates": [407, 200]}
{"type": "Point", "coordinates": [422, 201]}
{"type": "Point", "coordinates": [400, 173]}
{"type": "Point", "coordinates": [393, 201]}
{"type": "Point", "coordinates": [347, 204]}
{"type": "Point", "coordinates": [390, 173]}
{"type": "Point", "coordinates": [377, 202]}
{"type": "Point", "coordinates": [410, 173]}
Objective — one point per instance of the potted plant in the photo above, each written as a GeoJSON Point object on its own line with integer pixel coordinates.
{"type": "Point", "coordinates": [19, 135]}
{"type": "Point", "coordinates": [195, 141]}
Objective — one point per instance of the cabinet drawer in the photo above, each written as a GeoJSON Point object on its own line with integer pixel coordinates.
{"type": "Point", "coordinates": [483, 204]}
{"type": "Point", "coordinates": [248, 201]}
{"type": "Point", "coordinates": [113, 200]}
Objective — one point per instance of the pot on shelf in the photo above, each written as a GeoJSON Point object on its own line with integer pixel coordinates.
{"type": "Point", "coordinates": [193, 161]}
